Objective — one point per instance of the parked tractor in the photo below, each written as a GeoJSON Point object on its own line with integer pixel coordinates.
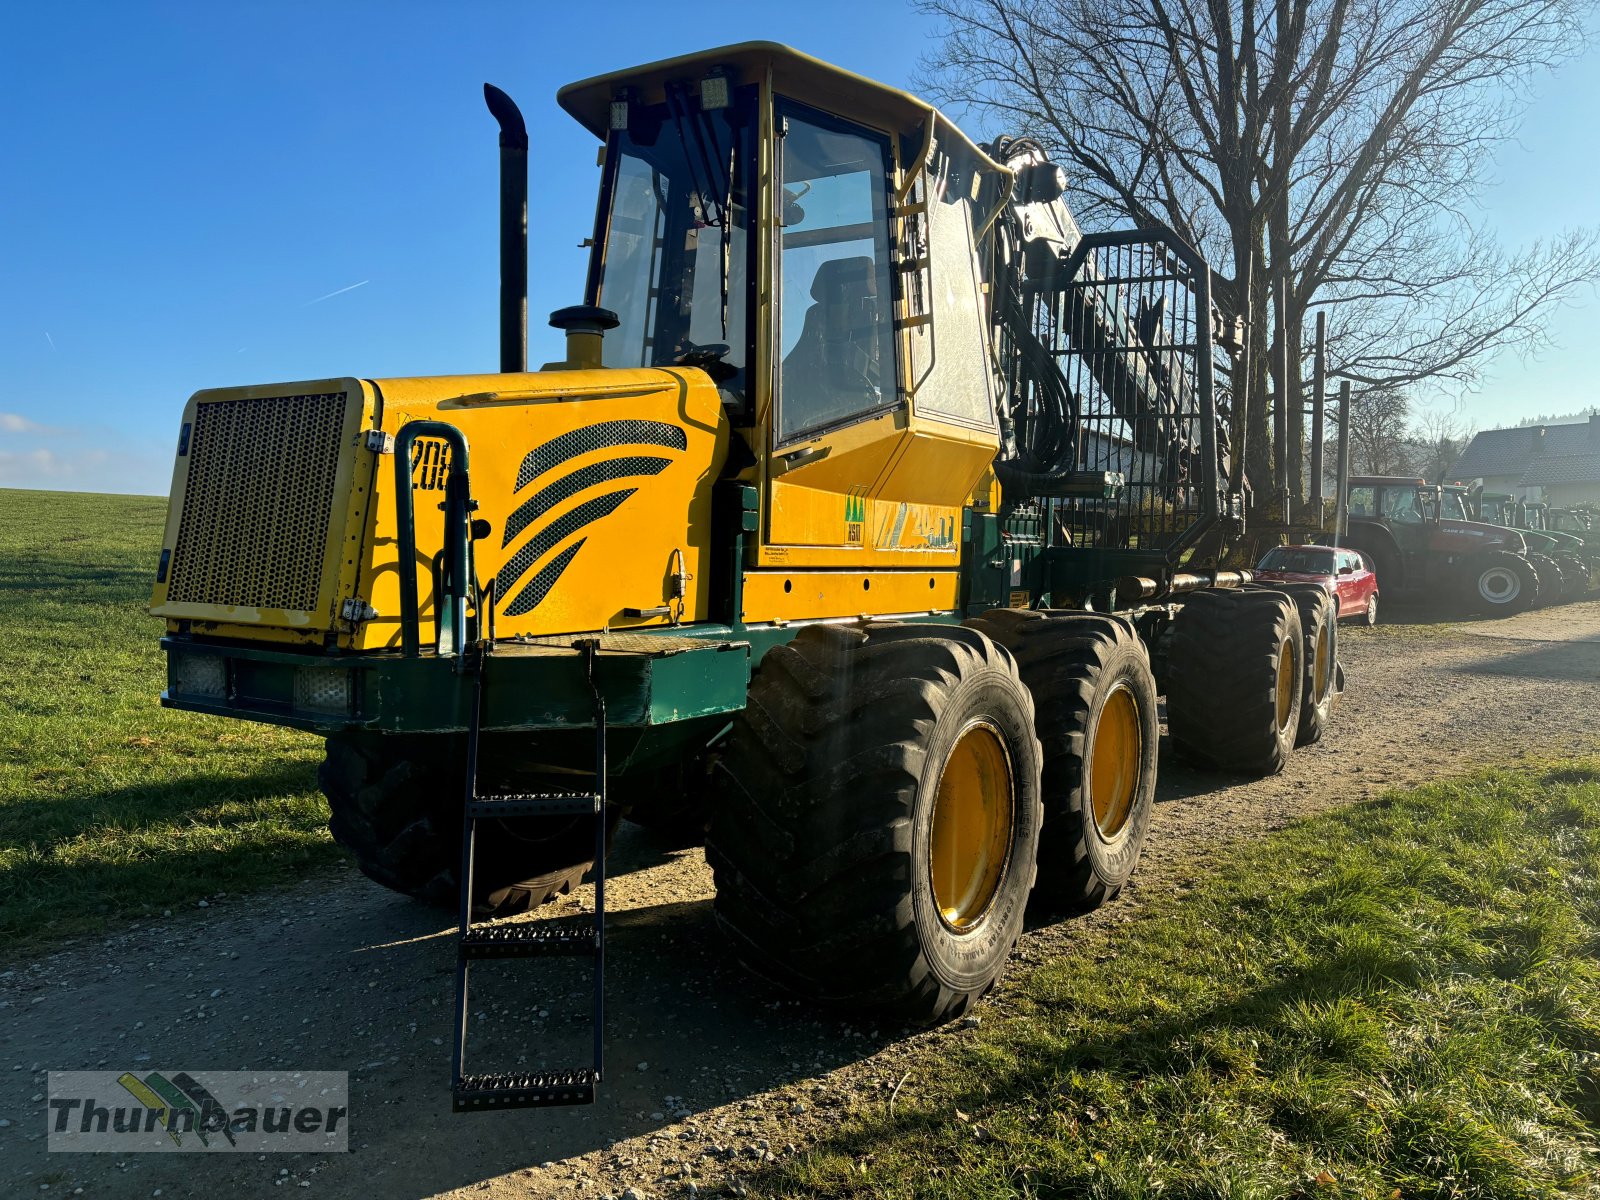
{"type": "Point", "coordinates": [869, 513]}
{"type": "Point", "coordinates": [1423, 546]}
{"type": "Point", "coordinates": [1561, 559]}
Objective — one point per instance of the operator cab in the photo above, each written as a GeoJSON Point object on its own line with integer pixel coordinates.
{"type": "Point", "coordinates": [797, 232]}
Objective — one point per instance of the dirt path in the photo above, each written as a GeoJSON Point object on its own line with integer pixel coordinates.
{"type": "Point", "coordinates": [706, 1067]}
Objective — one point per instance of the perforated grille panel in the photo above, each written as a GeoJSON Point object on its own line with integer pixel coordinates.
{"type": "Point", "coordinates": [257, 502]}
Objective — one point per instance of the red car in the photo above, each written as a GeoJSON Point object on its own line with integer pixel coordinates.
{"type": "Point", "coordinates": [1344, 573]}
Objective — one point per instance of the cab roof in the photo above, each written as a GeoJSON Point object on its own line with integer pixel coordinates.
{"type": "Point", "coordinates": [793, 73]}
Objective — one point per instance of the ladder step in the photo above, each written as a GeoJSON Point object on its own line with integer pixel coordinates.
{"type": "Point", "coordinates": [529, 939]}
{"type": "Point", "coordinates": [475, 1093]}
{"type": "Point", "coordinates": [537, 804]}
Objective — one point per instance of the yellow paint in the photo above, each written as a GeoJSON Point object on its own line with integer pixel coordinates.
{"type": "Point", "coordinates": [627, 556]}
{"type": "Point", "coordinates": [652, 521]}
{"type": "Point", "coordinates": [969, 841]}
{"type": "Point", "coordinates": [815, 595]}
{"type": "Point", "coordinates": [1116, 760]}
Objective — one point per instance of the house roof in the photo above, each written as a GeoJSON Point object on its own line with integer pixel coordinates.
{"type": "Point", "coordinates": [1513, 451]}
{"type": "Point", "coordinates": [1561, 468]}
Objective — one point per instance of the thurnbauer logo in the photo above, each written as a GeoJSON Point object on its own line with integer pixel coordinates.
{"type": "Point", "coordinates": [179, 1108]}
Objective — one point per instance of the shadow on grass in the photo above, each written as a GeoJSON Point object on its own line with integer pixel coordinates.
{"type": "Point", "coordinates": [42, 819]}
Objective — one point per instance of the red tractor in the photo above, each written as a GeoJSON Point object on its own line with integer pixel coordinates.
{"type": "Point", "coordinates": [1423, 545]}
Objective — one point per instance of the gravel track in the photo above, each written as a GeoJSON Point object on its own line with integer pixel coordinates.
{"type": "Point", "coordinates": [708, 1071]}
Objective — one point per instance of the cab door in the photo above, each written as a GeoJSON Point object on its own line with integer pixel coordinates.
{"type": "Point", "coordinates": [837, 412]}
{"type": "Point", "coordinates": [856, 478]}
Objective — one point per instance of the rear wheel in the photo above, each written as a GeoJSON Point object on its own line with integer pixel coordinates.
{"type": "Point", "coordinates": [1235, 680]}
{"type": "Point", "coordinates": [1548, 572]}
{"type": "Point", "coordinates": [395, 804]}
{"type": "Point", "coordinates": [1371, 614]}
{"type": "Point", "coordinates": [1321, 633]}
{"type": "Point", "coordinates": [1574, 578]}
{"type": "Point", "coordinates": [876, 817]}
{"type": "Point", "coordinates": [1502, 582]}
{"type": "Point", "coordinates": [1097, 721]}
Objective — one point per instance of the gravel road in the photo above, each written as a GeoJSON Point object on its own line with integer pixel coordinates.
{"type": "Point", "coordinates": [708, 1071]}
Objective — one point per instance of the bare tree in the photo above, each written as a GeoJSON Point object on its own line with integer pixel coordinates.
{"type": "Point", "coordinates": [1333, 144]}
{"type": "Point", "coordinates": [1437, 440]}
{"type": "Point", "coordinates": [1379, 432]}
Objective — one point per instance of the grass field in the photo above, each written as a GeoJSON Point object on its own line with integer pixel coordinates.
{"type": "Point", "coordinates": [1397, 1000]}
{"type": "Point", "coordinates": [110, 806]}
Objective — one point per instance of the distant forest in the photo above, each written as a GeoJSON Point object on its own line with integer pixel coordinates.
{"type": "Point", "coordinates": [1583, 414]}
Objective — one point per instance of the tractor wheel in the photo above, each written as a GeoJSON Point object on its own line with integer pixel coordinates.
{"type": "Point", "coordinates": [1097, 720]}
{"type": "Point", "coordinates": [396, 805]}
{"type": "Point", "coordinates": [876, 817]}
{"type": "Point", "coordinates": [1235, 680]}
{"type": "Point", "coordinates": [672, 802]}
{"type": "Point", "coordinates": [1321, 632]}
{"type": "Point", "coordinates": [1549, 573]}
{"type": "Point", "coordinates": [1502, 582]}
{"type": "Point", "coordinates": [1574, 578]}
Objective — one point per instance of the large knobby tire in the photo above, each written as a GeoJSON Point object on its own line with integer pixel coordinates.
{"type": "Point", "coordinates": [395, 803]}
{"type": "Point", "coordinates": [1549, 575]}
{"type": "Point", "coordinates": [1235, 680]}
{"type": "Point", "coordinates": [1503, 582]}
{"type": "Point", "coordinates": [672, 802]}
{"type": "Point", "coordinates": [1321, 633]}
{"type": "Point", "coordinates": [1574, 577]}
{"type": "Point", "coordinates": [1097, 720]}
{"type": "Point", "coordinates": [876, 817]}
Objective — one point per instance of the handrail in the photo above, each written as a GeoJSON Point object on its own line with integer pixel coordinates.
{"type": "Point", "coordinates": [451, 606]}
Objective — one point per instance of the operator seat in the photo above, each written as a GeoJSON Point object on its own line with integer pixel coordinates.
{"type": "Point", "coordinates": [834, 370]}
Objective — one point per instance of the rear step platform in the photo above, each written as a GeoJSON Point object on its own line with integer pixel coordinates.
{"type": "Point", "coordinates": [529, 939]}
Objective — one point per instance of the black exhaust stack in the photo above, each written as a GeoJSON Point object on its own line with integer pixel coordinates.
{"type": "Point", "coordinates": [513, 229]}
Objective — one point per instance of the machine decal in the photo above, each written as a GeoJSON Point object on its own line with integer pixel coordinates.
{"type": "Point", "coordinates": [430, 463]}
{"type": "Point", "coordinates": [596, 437]}
{"type": "Point", "coordinates": [546, 540]}
{"type": "Point", "coordinates": [568, 486]}
{"type": "Point", "coordinates": [545, 579]}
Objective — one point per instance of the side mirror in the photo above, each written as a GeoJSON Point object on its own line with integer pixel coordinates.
{"type": "Point", "coordinates": [1347, 570]}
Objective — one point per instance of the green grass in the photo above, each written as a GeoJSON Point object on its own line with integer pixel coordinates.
{"type": "Point", "coordinates": [1397, 1000]}
{"type": "Point", "coordinates": [110, 806]}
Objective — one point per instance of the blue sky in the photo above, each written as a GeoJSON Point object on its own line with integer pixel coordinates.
{"type": "Point", "coordinates": [197, 195]}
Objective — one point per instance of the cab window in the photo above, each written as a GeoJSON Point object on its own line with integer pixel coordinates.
{"type": "Point", "coordinates": [672, 257]}
{"type": "Point", "coordinates": [836, 328]}
{"type": "Point", "coordinates": [1362, 503]}
{"type": "Point", "coordinates": [1401, 505]}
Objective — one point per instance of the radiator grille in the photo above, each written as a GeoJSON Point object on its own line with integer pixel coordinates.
{"type": "Point", "coordinates": [257, 502]}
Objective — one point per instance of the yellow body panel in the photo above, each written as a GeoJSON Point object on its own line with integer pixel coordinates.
{"type": "Point", "coordinates": [819, 595]}
{"type": "Point", "coordinates": [596, 487]}
{"type": "Point", "coordinates": [595, 484]}
{"type": "Point", "coordinates": [888, 494]}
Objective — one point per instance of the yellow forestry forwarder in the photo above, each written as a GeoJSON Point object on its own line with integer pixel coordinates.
{"type": "Point", "coordinates": [869, 513]}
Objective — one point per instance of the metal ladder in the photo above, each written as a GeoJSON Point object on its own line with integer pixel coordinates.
{"type": "Point", "coordinates": [530, 939]}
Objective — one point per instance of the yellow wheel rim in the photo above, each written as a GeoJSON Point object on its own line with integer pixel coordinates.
{"type": "Point", "coordinates": [1322, 667]}
{"type": "Point", "coordinates": [972, 826]}
{"type": "Point", "coordinates": [1115, 757]}
{"type": "Point", "coordinates": [1288, 680]}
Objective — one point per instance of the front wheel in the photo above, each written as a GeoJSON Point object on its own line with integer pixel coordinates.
{"type": "Point", "coordinates": [876, 817]}
{"type": "Point", "coordinates": [396, 804]}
